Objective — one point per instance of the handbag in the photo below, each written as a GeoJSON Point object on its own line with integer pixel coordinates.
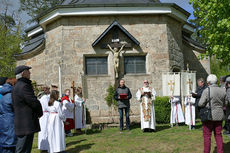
{"type": "Point", "coordinates": [206, 112]}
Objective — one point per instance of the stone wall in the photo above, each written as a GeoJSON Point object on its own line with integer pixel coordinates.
{"type": "Point", "coordinates": [69, 39]}
{"type": "Point", "coordinates": [191, 56]}
{"type": "Point", "coordinates": [174, 33]}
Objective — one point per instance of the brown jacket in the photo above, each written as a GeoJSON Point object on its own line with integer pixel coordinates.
{"type": "Point", "coordinates": [217, 99]}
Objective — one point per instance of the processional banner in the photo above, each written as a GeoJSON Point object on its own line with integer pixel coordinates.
{"type": "Point", "coordinates": [188, 83]}
{"type": "Point", "coordinates": [171, 84]}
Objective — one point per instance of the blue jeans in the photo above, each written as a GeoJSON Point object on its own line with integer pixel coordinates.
{"type": "Point", "coordinates": [126, 116]}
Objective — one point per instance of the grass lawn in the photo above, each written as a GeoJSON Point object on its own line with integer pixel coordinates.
{"type": "Point", "coordinates": [164, 140]}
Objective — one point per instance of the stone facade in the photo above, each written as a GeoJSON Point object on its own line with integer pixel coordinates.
{"type": "Point", "coordinates": [69, 39]}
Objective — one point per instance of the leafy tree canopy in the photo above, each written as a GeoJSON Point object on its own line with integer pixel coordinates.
{"type": "Point", "coordinates": [212, 19]}
{"type": "Point", "coordinates": [35, 7]}
{"type": "Point", "coordinates": [10, 40]}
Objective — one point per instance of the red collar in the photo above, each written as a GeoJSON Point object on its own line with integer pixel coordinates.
{"type": "Point", "coordinates": [66, 98]}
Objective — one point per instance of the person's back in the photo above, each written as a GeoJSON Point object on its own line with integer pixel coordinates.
{"type": "Point", "coordinates": [217, 99]}
{"type": "Point", "coordinates": [56, 134]}
{"type": "Point", "coordinates": [7, 135]}
{"type": "Point", "coordinates": [27, 108]}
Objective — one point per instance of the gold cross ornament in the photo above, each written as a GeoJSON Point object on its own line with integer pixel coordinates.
{"type": "Point", "coordinates": [190, 84]}
{"type": "Point", "coordinates": [171, 84]}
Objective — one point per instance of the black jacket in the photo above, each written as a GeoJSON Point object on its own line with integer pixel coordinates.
{"type": "Point", "coordinates": [122, 103]}
{"type": "Point", "coordinates": [198, 94]}
{"type": "Point", "coordinates": [27, 108]}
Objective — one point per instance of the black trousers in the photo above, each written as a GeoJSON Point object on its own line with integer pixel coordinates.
{"type": "Point", "coordinates": [24, 143]}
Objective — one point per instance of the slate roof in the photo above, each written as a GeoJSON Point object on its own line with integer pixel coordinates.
{"type": "Point", "coordinates": [32, 46]}
{"type": "Point", "coordinates": [194, 43]}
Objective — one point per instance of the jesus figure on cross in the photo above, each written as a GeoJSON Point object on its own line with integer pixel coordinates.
{"type": "Point", "coordinates": [116, 57]}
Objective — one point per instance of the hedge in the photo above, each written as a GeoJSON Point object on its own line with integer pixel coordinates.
{"type": "Point", "coordinates": [162, 109]}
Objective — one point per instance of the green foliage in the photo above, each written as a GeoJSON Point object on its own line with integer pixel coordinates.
{"type": "Point", "coordinates": [10, 40]}
{"type": "Point", "coordinates": [162, 109]}
{"type": "Point", "coordinates": [35, 7]}
{"type": "Point", "coordinates": [88, 118]}
{"type": "Point", "coordinates": [35, 87]}
{"type": "Point", "coordinates": [110, 96]}
{"type": "Point", "coordinates": [218, 69]}
{"type": "Point", "coordinates": [212, 19]}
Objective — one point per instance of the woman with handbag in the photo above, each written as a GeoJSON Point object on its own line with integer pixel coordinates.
{"type": "Point", "coordinates": [212, 114]}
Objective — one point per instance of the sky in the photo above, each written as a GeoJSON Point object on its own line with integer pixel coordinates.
{"type": "Point", "coordinates": [15, 4]}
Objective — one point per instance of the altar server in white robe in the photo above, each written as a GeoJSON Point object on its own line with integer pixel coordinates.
{"type": "Point", "coordinates": [146, 96]}
{"type": "Point", "coordinates": [80, 118]}
{"type": "Point", "coordinates": [190, 111]}
{"type": "Point", "coordinates": [177, 115]}
{"type": "Point", "coordinates": [43, 144]}
{"type": "Point", "coordinates": [56, 133]}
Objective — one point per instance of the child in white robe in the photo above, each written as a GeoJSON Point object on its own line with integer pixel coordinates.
{"type": "Point", "coordinates": [176, 111]}
{"type": "Point", "coordinates": [43, 144]}
{"type": "Point", "coordinates": [190, 111]}
{"type": "Point", "coordinates": [80, 118]}
{"type": "Point", "coordinates": [56, 133]}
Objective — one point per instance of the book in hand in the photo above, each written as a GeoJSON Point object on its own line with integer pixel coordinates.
{"type": "Point", "coordinates": [123, 96]}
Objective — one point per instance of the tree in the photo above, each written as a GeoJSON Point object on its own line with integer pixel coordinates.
{"type": "Point", "coordinates": [219, 70]}
{"type": "Point", "coordinates": [10, 40]}
{"type": "Point", "coordinates": [35, 7]}
{"type": "Point", "coordinates": [212, 19]}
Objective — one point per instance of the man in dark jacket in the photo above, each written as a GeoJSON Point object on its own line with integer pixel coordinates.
{"type": "Point", "coordinates": [122, 96]}
{"type": "Point", "coordinates": [199, 91]}
{"type": "Point", "coordinates": [27, 110]}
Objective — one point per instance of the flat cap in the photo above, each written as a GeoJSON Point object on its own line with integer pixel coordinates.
{"type": "Point", "coordinates": [21, 68]}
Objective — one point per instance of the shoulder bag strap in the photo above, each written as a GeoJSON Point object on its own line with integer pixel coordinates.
{"type": "Point", "coordinates": [209, 100]}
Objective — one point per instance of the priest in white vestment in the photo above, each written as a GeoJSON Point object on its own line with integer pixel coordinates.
{"type": "Point", "coordinates": [146, 96]}
{"type": "Point", "coordinates": [177, 115]}
{"type": "Point", "coordinates": [43, 135]}
{"type": "Point", "coordinates": [190, 111]}
{"type": "Point", "coordinates": [80, 118]}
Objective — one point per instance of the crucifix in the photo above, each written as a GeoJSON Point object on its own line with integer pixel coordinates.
{"type": "Point", "coordinates": [190, 84]}
{"type": "Point", "coordinates": [74, 88]}
{"type": "Point", "coordinates": [116, 47]}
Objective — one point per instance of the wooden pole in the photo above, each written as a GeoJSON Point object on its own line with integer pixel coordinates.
{"type": "Point", "coordinates": [73, 88]}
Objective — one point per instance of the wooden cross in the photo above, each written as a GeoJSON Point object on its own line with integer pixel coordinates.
{"type": "Point", "coordinates": [190, 84]}
{"type": "Point", "coordinates": [171, 85]}
{"type": "Point", "coordinates": [74, 88]}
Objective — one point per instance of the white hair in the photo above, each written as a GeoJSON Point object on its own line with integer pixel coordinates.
{"type": "Point", "coordinates": [212, 79]}
{"type": "Point", "coordinates": [18, 76]}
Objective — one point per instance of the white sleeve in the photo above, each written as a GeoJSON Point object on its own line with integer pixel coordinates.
{"type": "Point", "coordinates": [68, 105]}
{"type": "Point", "coordinates": [174, 100]}
{"type": "Point", "coordinates": [78, 99]}
{"type": "Point", "coordinates": [153, 94]}
{"type": "Point", "coordinates": [138, 95]}
{"type": "Point", "coordinates": [193, 100]}
{"type": "Point", "coordinates": [185, 100]}
{"type": "Point", "coordinates": [59, 111]}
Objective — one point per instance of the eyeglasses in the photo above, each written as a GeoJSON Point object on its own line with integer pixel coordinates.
{"type": "Point", "coordinates": [146, 82]}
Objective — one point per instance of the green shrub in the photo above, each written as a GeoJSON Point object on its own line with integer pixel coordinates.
{"type": "Point", "coordinates": [162, 109]}
{"type": "Point", "coordinates": [110, 96]}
